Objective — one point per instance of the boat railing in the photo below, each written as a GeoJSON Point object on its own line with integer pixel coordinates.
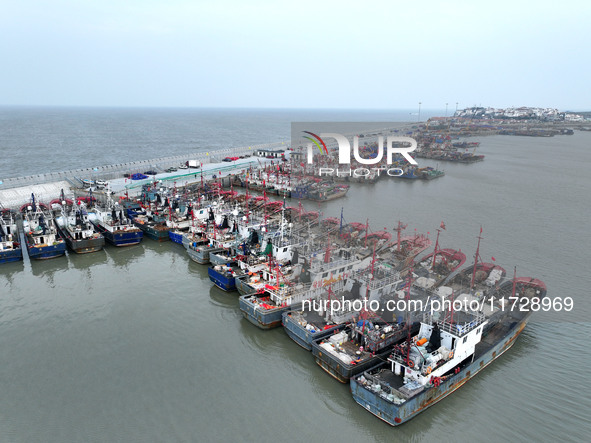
{"type": "Point", "coordinates": [378, 280]}
{"type": "Point", "coordinates": [319, 265]}
{"type": "Point", "coordinates": [298, 292]}
{"type": "Point", "coordinates": [456, 327]}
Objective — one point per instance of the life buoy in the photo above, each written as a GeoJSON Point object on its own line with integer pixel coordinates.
{"type": "Point", "coordinates": [411, 364]}
{"type": "Point", "coordinates": [451, 355]}
{"type": "Point", "coordinates": [428, 370]}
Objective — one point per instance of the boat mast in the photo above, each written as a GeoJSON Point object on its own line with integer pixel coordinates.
{"type": "Point", "coordinates": [435, 251]}
{"type": "Point", "coordinates": [327, 253]}
{"type": "Point", "coordinates": [373, 262]}
{"type": "Point", "coordinates": [398, 230]}
{"type": "Point", "coordinates": [476, 258]}
{"type": "Point", "coordinates": [329, 317]}
{"type": "Point", "coordinates": [407, 297]}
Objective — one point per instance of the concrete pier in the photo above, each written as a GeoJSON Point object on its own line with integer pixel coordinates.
{"type": "Point", "coordinates": [16, 191]}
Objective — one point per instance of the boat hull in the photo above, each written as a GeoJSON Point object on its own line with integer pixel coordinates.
{"type": "Point", "coordinates": [340, 371]}
{"type": "Point", "coordinates": [343, 371]}
{"type": "Point", "coordinates": [86, 246]}
{"type": "Point", "coordinates": [120, 238]}
{"type": "Point", "coordinates": [264, 319]}
{"type": "Point", "coordinates": [396, 415]}
{"type": "Point", "coordinates": [201, 254]}
{"type": "Point", "coordinates": [176, 237]}
{"type": "Point", "coordinates": [301, 335]}
{"type": "Point", "coordinates": [157, 233]}
{"type": "Point", "coordinates": [83, 246]}
{"type": "Point", "coordinates": [46, 252]}
{"type": "Point", "coordinates": [11, 255]}
{"type": "Point", "coordinates": [222, 280]}
{"type": "Point", "coordinates": [242, 286]}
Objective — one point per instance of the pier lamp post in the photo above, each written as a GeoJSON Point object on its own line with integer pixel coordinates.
{"type": "Point", "coordinates": [419, 117]}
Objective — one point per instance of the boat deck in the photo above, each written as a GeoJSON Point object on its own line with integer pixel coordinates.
{"type": "Point", "coordinates": [351, 349]}
{"type": "Point", "coordinates": [390, 378]}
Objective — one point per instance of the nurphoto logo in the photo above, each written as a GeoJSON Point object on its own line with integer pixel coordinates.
{"type": "Point", "coordinates": [395, 148]}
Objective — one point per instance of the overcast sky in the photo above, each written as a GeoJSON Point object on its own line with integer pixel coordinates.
{"type": "Point", "coordinates": [302, 54]}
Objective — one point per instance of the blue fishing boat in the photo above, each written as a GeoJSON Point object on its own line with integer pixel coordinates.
{"type": "Point", "coordinates": [224, 276]}
{"type": "Point", "coordinates": [10, 246]}
{"type": "Point", "coordinates": [176, 235]}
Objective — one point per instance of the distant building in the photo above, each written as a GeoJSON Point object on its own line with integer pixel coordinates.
{"type": "Point", "coordinates": [521, 113]}
{"type": "Point", "coordinates": [270, 153]}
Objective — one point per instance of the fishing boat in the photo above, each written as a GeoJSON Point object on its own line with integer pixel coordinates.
{"type": "Point", "coordinates": [450, 348]}
{"type": "Point", "coordinates": [217, 232]}
{"type": "Point", "coordinates": [153, 225]}
{"type": "Point", "coordinates": [429, 173]}
{"type": "Point", "coordinates": [113, 223]}
{"type": "Point", "coordinates": [75, 227]}
{"type": "Point", "coordinates": [41, 235]}
{"type": "Point", "coordinates": [225, 256]}
{"type": "Point", "coordinates": [265, 308]}
{"type": "Point", "coordinates": [306, 326]}
{"type": "Point", "coordinates": [10, 246]}
{"type": "Point", "coordinates": [359, 346]}
{"type": "Point", "coordinates": [180, 217]}
{"type": "Point", "coordinates": [178, 228]}
{"type": "Point", "coordinates": [274, 260]}
{"type": "Point", "coordinates": [199, 251]}
{"type": "Point", "coordinates": [224, 276]}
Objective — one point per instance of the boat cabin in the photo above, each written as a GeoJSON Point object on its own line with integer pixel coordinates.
{"type": "Point", "coordinates": [444, 341]}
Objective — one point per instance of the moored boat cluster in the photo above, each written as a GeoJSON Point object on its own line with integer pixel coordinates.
{"type": "Point", "coordinates": [370, 306]}
{"type": "Point", "coordinates": [404, 321]}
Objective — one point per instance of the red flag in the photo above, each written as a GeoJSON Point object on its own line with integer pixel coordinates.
{"type": "Point", "coordinates": [493, 259]}
{"type": "Point", "coordinates": [481, 229]}
{"type": "Point", "coordinates": [442, 225]}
